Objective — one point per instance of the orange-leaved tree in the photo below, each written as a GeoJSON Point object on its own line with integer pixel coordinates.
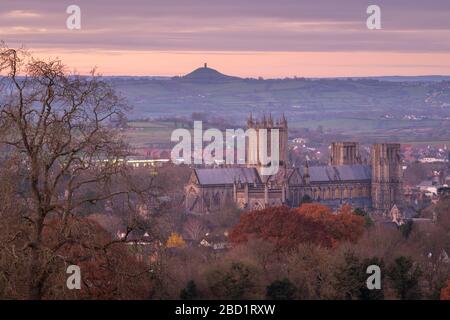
{"type": "Point", "coordinates": [287, 227]}
{"type": "Point", "coordinates": [175, 240]}
{"type": "Point", "coordinates": [445, 292]}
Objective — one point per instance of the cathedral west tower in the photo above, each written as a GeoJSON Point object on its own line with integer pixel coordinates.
{"type": "Point", "coordinates": [386, 176]}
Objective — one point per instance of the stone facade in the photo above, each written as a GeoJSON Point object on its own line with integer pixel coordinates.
{"type": "Point", "coordinates": [375, 186]}
{"type": "Point", "coordinates": [344, 153]}
{"type": "Point", "coordinates": [386, 176]}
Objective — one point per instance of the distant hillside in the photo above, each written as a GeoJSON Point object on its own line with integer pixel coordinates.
{"type": "Point", "coordinates": [205, 75]}
{"type": "Point", "coordinates": [412, 78]}
{"type": "Point", "coordinates": [362, 106]}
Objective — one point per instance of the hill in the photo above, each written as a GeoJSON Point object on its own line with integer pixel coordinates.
{"type": "Point", "coordinates": [363, 107]}
{"type": "Point", "coordinates": [206, 74]}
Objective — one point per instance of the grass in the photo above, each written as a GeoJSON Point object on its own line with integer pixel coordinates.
{"type": "Point", "coordinates": [144, 134]}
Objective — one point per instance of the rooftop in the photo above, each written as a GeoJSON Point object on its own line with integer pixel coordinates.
{"type": "Point", "coordinates": [227, 176]}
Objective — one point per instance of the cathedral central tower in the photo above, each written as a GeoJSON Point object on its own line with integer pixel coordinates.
{"type": "Point", "coordinates": [252, 150]}
{"type": "Point", "coordinates": [344, 153]}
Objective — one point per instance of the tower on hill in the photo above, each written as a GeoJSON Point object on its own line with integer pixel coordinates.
{"type": "Point", "coordinates": [207, 74]}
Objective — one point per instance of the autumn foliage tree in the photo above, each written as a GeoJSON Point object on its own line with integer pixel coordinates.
{"type": "Point", "coordinates": [287, 227]}
{"type": "Point", "coordinates": [108, 268]}
{"type": "Point", "coordinates": [175, 241]}
{"type": "Point", "coordinates": [62, 152]}
{"type": "Point", "coordinates": [445, 292]}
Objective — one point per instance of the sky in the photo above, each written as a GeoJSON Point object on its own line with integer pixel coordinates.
{"type": "Point", "coordinates": [248, 38]}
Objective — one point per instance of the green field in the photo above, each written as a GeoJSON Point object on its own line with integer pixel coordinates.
{"type": "Point", "coordinates": [365, 108]}
{"type": "Point", "coordinates": [146, 133]}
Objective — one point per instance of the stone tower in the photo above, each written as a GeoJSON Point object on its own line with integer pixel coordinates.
{"type": "Point", "coordinates": [343, 153]}
{"type": "Point", "coordinates": [252, 150]}
{"type": "Point", "coordinates": [386, 177]}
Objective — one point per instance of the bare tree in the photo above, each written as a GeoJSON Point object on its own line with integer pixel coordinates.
{"type": "Point", "coordinates": [194, 229]}
{"type": "Point", "coordinates": [59, 129]}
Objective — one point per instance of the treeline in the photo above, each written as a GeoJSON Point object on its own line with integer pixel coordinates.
{"type": "Point", "coordinates": [310, 253]}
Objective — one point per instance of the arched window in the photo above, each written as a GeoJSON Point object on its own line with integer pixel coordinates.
{"type": "Point", "coordinates": [346, 193]}
{"type": "Point", "coordinates": [337, 193]}
{"type": "Point", "coordinates": [216, 199]}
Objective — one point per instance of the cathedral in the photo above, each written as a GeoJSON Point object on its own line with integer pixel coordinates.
{"type": "Point", "coordinates": [374, 186]}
